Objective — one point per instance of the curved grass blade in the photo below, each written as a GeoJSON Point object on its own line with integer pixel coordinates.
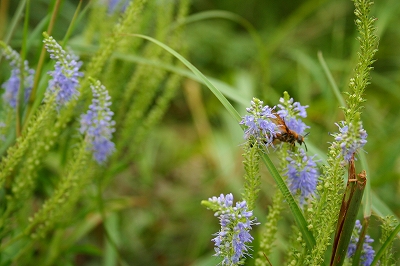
{"type": "Point", "coordinates": [297, 214]}
{"type": "Point", "coordinates": [232, 111]}
{"type": "Point", "coordinates": [226, 89]}
{"type": "Point", "coordinates": [328, 74]}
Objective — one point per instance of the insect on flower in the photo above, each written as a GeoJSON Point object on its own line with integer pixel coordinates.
{"type": "Point", "coordinates": [286, 134]}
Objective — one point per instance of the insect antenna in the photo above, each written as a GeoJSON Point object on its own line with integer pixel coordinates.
{"type": "Point", "coordinates": [308, 133]}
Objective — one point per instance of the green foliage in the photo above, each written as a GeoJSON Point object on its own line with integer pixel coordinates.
{"type": "Point", "coordinates": [59, 207]}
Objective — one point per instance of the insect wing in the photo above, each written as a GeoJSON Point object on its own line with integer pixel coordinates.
{"type": "Point", "coordinates": [280, 123]}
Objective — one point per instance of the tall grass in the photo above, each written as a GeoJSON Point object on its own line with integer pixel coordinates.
{"type": "Point", "coordinates": [177, 72]}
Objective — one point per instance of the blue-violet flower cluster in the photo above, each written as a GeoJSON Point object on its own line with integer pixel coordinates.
{"type": "Point", "coordinates": [367, 253]}
{"type": "Point", "coordinates": [351, 138]}
{"type": "Point", "coordinates": [292, 112]}
{"type": "Point", "coordinates": [231, 242]}
{"type": "Point", "coordinates": [302, 174]}
{"type": "Point", "coordinates": [98, 125]}
{"type": "Point", "coordinates": [12, 85]}
{"type": "Point", "coordinates": [64, 82]}
{"type": "Point", "coordinates": [259, 124]}
{"type": "Point", "coordinates": [262, 121]}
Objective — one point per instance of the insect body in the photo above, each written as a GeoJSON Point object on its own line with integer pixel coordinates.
{"type": "Point", "coordinates": [286, 134]}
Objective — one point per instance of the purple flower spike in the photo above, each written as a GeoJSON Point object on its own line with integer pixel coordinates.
{"type": "Point", "coordinates": [12, 85]}
{"type": "Point", "coordinates": [231, 242]}
{"type": "Point", "coordinates": [350, 138]}
{"type": "Point", "coordinates": [64, 82]}
{"type": "Point", "coordinates": [98, 125]}
{"type": "Point", "coordinates": [302, 174]}
{"type": "Point", "coordinates": [259, 124]}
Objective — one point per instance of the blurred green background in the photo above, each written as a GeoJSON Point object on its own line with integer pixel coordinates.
{"type": "Point", "coordinates": [195, 152]}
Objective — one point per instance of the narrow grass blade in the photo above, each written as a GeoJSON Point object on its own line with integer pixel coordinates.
{"type": "Point", "coordinates": [71, 26]}
{"type": "Point", "coordinates": [226, 89]}
{"type": "Point", "coordinates": [331, 79]}
{"type": "Point", "coordinates": [213, 89]}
